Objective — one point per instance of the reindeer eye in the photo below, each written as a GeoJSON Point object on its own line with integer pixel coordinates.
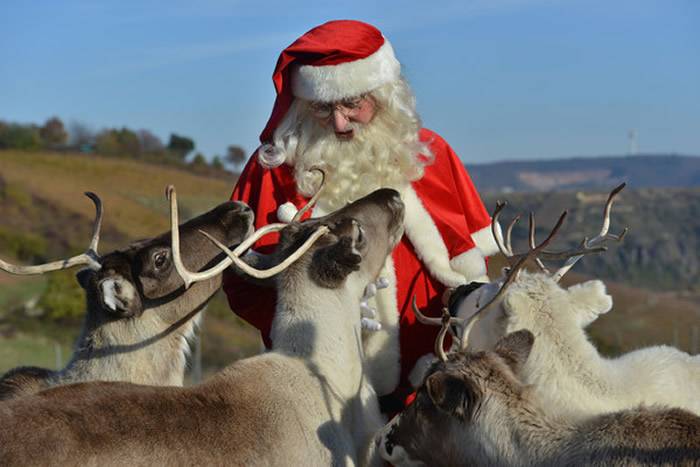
{"type": "Point", "coordinates": [360, 234]}
{"type": "Point", "coordinates": [160, 259]}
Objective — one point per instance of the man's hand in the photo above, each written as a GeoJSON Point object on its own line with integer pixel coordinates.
{"type": "Point", "coordinates": [368, 313]}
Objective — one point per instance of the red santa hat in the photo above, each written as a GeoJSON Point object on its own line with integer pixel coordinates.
{"type": "Point", "coordinates": [334, 61]}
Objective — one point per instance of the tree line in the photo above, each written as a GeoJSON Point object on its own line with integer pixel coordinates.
{"type": "Point", "coordinates": [115, 142]}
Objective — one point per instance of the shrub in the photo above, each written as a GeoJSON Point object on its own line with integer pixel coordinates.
{"type": "Point", "coordinates": [63, 298]}
{"type": "Point", "coordinates": [25, 246]}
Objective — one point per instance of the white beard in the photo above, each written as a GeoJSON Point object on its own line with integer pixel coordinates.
{"type": "Point", "coordinates": [377, 156]}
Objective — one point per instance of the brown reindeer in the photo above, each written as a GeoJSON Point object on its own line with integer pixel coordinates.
{"type": "Point", "coordinates": [473, 409]}
{"type": "Point", "coordinates": [306, 402]}
{"type": "Point", "coordinates": [138, 316]}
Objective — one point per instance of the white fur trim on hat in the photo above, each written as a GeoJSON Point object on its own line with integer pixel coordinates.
{"type": "Point", "coordinates": [286, 212]}
{"type": "Point", "coordinates": [471, 264]}
{"type": "Point", "coordinates": [484, 240]}
{"type": "Point", "coordinates": [331, 83]}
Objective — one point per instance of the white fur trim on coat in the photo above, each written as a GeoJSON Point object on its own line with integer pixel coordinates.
{"type": "Point", "coordinates": [426, 239]}
{"type": "Point", "coordinates": [331, 83]}
{"type": "Point", "coordinates": [471, 264]}
{"type": "Point", "coordinates": [484, 240]}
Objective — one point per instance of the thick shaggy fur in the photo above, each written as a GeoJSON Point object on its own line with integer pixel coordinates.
{"type": "Point", "coordinates": [139, 318]}
{"type": "Point", "coordinates": [565, 368]}
{"type": "Point", "coordinates": [474, 409]}
{"type": "Point", "coordinates": [306, 402]}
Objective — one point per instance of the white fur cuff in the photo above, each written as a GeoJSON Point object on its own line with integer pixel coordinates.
{"type": "Point", "coordinates": [471, 264]}
{"type": "Point", "coordinates": [484, 240]}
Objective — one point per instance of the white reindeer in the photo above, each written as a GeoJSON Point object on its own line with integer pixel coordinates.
{"type": "Point", "coordinates": [564, 367]}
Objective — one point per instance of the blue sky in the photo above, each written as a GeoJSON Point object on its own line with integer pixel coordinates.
{"type": "Point", "coordinates": [499, 79]}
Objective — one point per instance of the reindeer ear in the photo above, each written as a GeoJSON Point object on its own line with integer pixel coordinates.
{"type": "Point", "coordinates": [589, 300]}
{"type": "Point", "coordinates": [515, 348]}
{"type": "Point", "coordinates": [333, 263]}
{"type": "Point", "coordinates": [450, 394]}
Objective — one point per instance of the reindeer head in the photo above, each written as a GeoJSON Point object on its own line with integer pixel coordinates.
{"type": "Point", "coordinates": [143, 274]}
{"type": "Point", "coordinates": [359, 237]}
{"type": "Point", "coordinates": [124, 282]}
{"type": "Point", "coordinates": [533, 301]}
{"type": "Point", "coordinates": [458, 398]}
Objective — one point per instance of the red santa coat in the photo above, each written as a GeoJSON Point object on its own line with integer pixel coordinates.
{"type": "Point", "coordinates": [447, 238]}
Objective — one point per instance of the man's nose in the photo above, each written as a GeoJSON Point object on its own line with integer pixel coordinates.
{"type": "Point", "coordinates": [340, 121]}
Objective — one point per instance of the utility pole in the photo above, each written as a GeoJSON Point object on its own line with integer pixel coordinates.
{"type": "Point", "coordinates": [633, 148]}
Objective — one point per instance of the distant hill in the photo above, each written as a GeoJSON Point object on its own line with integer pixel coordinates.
{"type": "Point", "coordinates": [643, 171]}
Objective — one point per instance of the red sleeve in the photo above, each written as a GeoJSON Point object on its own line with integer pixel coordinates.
{"type": "Point", "coordinates": [478, 218]}
{"type": "Point", "coordinates": [475, 213]}
{"type": "Point", "coordinates": [450, 196]}
{"type": "Point", "coordinates": [263, 190]}
{"type": "Point", "coordinates": [455, 206]}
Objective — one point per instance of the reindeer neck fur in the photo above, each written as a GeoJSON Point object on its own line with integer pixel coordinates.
{"type": "Point", "coordinates": [565, 365]}
{"type": "Point", "coordinates": [562, 360]}
{"type": "Point", "coordinates": [148, 349]}
{"type": "Point", "coordinates": [321, 326]}
{"type": "Point", "coordinates": [515, 430]}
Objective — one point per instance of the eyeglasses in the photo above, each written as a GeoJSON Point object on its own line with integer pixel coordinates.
{"type": "Point", "coordinates": [348, 107]}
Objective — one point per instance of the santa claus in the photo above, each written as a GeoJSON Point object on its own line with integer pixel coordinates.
{"type": "Point", "coordinates": [343, 104]}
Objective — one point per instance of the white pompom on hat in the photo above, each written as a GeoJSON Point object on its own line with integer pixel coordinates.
{"type": "Point", "coordinates": [286, 212]}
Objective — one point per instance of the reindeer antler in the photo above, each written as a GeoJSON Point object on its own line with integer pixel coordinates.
{"type": "Point", "coordinates": [232, 256]}
{"type": "Point", "coordinates": [190, 277]}
{"type": "Point", "coordinates": [602, 237]}
{"type": "Point", "coordinates": [90, 258]}
{"type": "Point", "coordinates": [517, 263]}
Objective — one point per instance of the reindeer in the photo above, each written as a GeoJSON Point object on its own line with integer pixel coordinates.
{"type": "Point", "coordinates": [564, 366]}
{"type": "Point", "coordinates": [139, 317]}
{"type": "Point", "coordinates": [306, 402]}
{"type": "Point", "coordinates": [476, 409]}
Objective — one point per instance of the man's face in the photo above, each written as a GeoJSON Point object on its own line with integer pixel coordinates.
{"type": "Point", "coordinates": [343, 116]}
